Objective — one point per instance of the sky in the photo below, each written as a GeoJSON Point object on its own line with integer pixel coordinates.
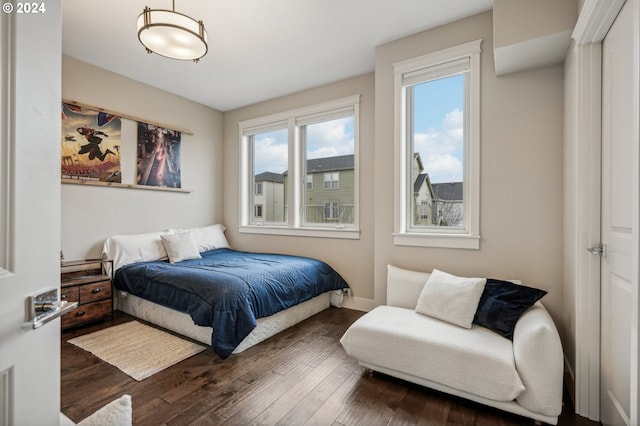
{"type": "Point", "coordinates": [438, 135]}
{"type": "Point", "coordinates": [438, 128]}
{"type": "Point", "coordinates": [326, 139]}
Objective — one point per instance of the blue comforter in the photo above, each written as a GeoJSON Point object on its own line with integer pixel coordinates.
{"type": "Point", "coordinates": [228, 290]}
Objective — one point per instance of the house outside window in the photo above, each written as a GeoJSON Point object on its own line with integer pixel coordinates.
{"type": "Point", "coordinates": [328, 172]}
{"type": "Point", "coordinates": [437, 142]}
{"type": "Point", "coordinates": [331, 180]}
{"type": "Point", "coordinates": [308, 148]}
{"type": "Point", "coordinates": [266, 176]}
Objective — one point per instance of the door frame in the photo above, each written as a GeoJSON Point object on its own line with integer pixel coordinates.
{"type": "Point", "coordinates": [596, 17]}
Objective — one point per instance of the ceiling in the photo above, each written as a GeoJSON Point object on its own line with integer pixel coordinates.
{"type": "Point", "coordinates": [258, 49]}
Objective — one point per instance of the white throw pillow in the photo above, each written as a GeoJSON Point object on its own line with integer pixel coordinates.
{"type": "Point", "coordinates": [208, 237]}
{"type": "Point", "coordinates": [180, 246]}
{"type": "Point", "coordinates": [451, 298]}
{"type": "Point", "coordinates": [132, 248]}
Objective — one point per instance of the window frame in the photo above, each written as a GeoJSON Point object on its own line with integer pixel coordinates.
{"type": "Point", "coordinates": [294, 121]}
{"type": "Point", "coordinates": [448, 237]}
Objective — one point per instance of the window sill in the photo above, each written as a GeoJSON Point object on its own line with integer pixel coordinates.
{"type": "Point", "coordinates": [469, 242]}
{"type": "Point", "coordinates": [350, 234]}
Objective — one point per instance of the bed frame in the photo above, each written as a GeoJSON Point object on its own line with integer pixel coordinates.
{"type": "Point", "coordinates": [182, 323]}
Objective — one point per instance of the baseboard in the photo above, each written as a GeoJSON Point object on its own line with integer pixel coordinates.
{"type": "Point", "coordinates": [359, 304]}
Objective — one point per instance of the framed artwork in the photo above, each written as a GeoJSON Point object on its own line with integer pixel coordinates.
{"type": "Point", "coordinates": [106, 148]}
{"type": "Point", "coordinates": [158, 162]}
{"type": "Point", "coordinates": [91, 142]}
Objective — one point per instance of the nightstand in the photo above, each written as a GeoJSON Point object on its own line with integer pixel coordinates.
{"type": "Point", "coordinates": [88, 282]}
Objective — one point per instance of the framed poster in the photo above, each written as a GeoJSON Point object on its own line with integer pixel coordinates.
{"type": "Point", "coordinates": [158, 152]}
{"type": "Point", "coordinates": [91, 142]}
{"type": "Point", "coordinates": [110, 149]}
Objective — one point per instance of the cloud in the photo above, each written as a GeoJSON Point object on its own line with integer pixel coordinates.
{"type": "Point", "coordinates": [441, 148]}
{"type": "Point", "coordinates": [325, 139]}
{"type": "Point", "coordinates": [330, 138]}
{"type": "Point", "coordinates": [271, 152]}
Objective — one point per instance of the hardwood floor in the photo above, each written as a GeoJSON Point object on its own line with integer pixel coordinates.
{"type": "Point", "coordinates": [300, 376]}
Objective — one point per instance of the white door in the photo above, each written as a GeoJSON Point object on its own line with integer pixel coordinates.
{"type": "Point", "coordinates": [30, 48]}
{"type": "Point", "coordinates": [619, 170]}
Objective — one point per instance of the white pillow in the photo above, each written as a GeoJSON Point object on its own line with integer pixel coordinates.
{"type": "Point", "coordinates": [404, 286]}
{"type": "Point", "coordinates": [450, 298]}
{"type": "Point", "coordinates": [209, 237]}
{"type": "Point", "coordinates": [126, 249]}
{"type": "Point", "coordinates": [180, 246]}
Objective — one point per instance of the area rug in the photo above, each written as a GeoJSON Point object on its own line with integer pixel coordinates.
{"type": "Point", "coordinates": [137, 349]}
{"type": "Point", "coordinates": [115, 413]}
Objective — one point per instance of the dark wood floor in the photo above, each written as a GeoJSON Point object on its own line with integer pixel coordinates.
{"type": "Point", "coordinates": [301, 376]}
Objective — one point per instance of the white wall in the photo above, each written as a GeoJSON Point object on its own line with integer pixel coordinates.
{"type": "Point", "coordinates": [90, 214]}
{"type": "Point", "coordinates": [521, 169]}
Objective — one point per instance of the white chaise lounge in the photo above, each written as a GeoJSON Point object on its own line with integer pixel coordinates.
{"type": "Point", "coordinates": [522, 376]}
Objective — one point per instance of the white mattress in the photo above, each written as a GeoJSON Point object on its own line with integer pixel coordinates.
{"type": "Point", "coordinates": [183, 324]}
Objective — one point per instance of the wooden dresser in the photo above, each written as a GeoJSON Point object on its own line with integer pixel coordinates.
{"type": "Point", "coordinates": [90, 284]}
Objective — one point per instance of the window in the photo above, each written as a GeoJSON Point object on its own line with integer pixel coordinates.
{"type": "Point", "coordinates": [425, 207]}
{"type": "Point", "coordinates": [331, 180]}
{"type": "Point", "coordinates": [269, 151]}
{"type": "Point", "coordinates": [437, 147]}
{"type": "Point", "coordinates": [331, 211]}
{"type": "Point", "coordinates": [257, 211]}
{"type": "Point", "coordinates": [286, 153]}
{"type": "Point", "coordinates": [329, 147]}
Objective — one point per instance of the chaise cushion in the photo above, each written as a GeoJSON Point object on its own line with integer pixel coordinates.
{"type": "Point", "coordinates": [451, 298]}
{"type": "Point", "coordinates": [473, 360]}
{"type": "Point", "coordinates": [404, 286]}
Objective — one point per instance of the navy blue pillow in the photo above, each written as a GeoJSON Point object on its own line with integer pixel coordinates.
{"type": "Point", "coordinates": [502, 304]}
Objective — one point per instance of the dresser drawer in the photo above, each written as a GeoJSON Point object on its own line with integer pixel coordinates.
{"type": "Point", "coordinates": [70, 294]}
{"type": "Point", "coordinates": [94, 292]}
{"type": "Point", "coordinates": [87, 312]}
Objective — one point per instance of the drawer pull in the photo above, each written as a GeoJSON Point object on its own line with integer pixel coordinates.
{"type": "Point", "coordinates": [96, 290]}
{"type": "Point", "coordinates": [63, 296]}
{"type": "Point", "coordinates": [81, 313]}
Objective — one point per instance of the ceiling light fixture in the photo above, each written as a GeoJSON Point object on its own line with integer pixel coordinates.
{"type": "Point", "coordinates": [172, 34]}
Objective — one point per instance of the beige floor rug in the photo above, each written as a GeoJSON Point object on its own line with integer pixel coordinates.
{"type": "Point", "coordinates": [115, 413]}
{"type": "Point", "coordinates": [137, 349]}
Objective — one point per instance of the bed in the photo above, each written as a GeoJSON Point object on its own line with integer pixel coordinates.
{"type": "Point", "coordinates": [192, 282]}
